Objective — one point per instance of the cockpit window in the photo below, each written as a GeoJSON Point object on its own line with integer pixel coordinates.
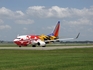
{"type": "Point", "coordinates": [18, 38]}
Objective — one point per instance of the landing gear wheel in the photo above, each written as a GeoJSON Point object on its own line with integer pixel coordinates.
{"type": "Point", "coordinates": [33, 45]}
{"type": "Point", "coordinates": [19, 46]}
{"type": "Point", "coordinates": [43, 46]}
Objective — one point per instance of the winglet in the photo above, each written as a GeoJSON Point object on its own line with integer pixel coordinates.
{"type": "Point", "coordinates": [77, 36]}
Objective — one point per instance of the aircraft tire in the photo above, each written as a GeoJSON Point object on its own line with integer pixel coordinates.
{"type": "Point", "coordinates": [19, 46]}
{"type": "Point", "coordinates": [43, 46]}
{"type": "Point", "coordinates": [33, 45]}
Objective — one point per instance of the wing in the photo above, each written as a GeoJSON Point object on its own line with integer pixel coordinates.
{"type": "Point", "coordinates": [63, 39]}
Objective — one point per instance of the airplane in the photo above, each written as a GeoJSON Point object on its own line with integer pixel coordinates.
{"type": "Point", "coordinates": [40, 40]}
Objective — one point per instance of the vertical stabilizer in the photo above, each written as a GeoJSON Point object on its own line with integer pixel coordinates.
{"type": "Point", "coordinates": [56, 30]}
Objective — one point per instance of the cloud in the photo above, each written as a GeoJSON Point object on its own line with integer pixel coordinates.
{"type": "Point", "coordinates": [4, 27]}
{"type": "Point", "coordinates": [25, 29]}
{"type": "Point", "coordinates": [78, 17]}
{"type": "Point", "coordinates": [85, 12]}
{"type": "Point", "coordinates": [48, 28]}
{"type": "Point", "coordinates": [80, 21]}
{"type": "Point", "coordinates": [9, 14]}
{"type": "Point", "coordinates": [44, 12]}
{"type": "Point", "coordinates": [27, 21]}
{"type": "Point", "coordinates": [59, 12]}
{"type": "Point", "coordinates": [90, 30]}
{"type": "Point", "coordinates": [1, 21]}
{"type": "Point", "coordinates": [5, 13]}
{"type": "Point", "coordinates": [37, 11]}
{"type": "Point", "coordinates": [20, 13]}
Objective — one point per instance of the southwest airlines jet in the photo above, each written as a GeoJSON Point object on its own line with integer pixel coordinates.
{"type": "Point", "coordinates": [40, 40]}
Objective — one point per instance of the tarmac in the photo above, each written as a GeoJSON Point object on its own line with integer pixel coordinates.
{"type": "Point", "coordinates": [44, 48]}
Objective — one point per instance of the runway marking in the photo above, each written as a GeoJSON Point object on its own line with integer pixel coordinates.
{"type": "Point", "coordinates": [44, 48]}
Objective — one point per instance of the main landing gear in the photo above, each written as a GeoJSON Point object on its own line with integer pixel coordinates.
{"type": "Point", "coordinates": [35, 46]}
{"type": "Point", "coordinates": [19, 46]}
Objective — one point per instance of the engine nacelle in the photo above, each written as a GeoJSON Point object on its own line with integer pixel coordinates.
{"type": "Point", "coordinates": [41, 43]}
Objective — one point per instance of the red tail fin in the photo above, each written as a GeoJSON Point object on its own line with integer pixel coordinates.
{"type": "Point", "coordinates": [56, 30]}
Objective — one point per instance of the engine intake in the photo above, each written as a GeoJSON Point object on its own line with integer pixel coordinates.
{"type": "Point", "coordinates": [41, 43]}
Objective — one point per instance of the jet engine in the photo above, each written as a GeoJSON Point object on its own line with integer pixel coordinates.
{"type": "Point", "coordinates": [41, 43]}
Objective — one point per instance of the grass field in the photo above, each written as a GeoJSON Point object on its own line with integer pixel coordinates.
{"type": "Point", "coordinates": [67, 59]}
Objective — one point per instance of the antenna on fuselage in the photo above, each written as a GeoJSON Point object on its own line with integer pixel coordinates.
{"type": "Point", "coordinates": [18, 35]}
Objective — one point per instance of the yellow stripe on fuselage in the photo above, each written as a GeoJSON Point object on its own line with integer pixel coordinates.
{"type": "Point", "coordinates": [45, 37]}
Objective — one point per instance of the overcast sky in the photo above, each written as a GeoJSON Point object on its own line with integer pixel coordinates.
{"type": "Point", "coordinates": [40, 17]}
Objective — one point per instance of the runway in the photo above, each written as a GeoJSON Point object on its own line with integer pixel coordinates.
{"type": "Point", "coordinates": [44, 48]}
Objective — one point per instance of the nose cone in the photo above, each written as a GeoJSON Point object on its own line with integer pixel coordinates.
{"type": "Point", "coordinates": [15, 40]}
